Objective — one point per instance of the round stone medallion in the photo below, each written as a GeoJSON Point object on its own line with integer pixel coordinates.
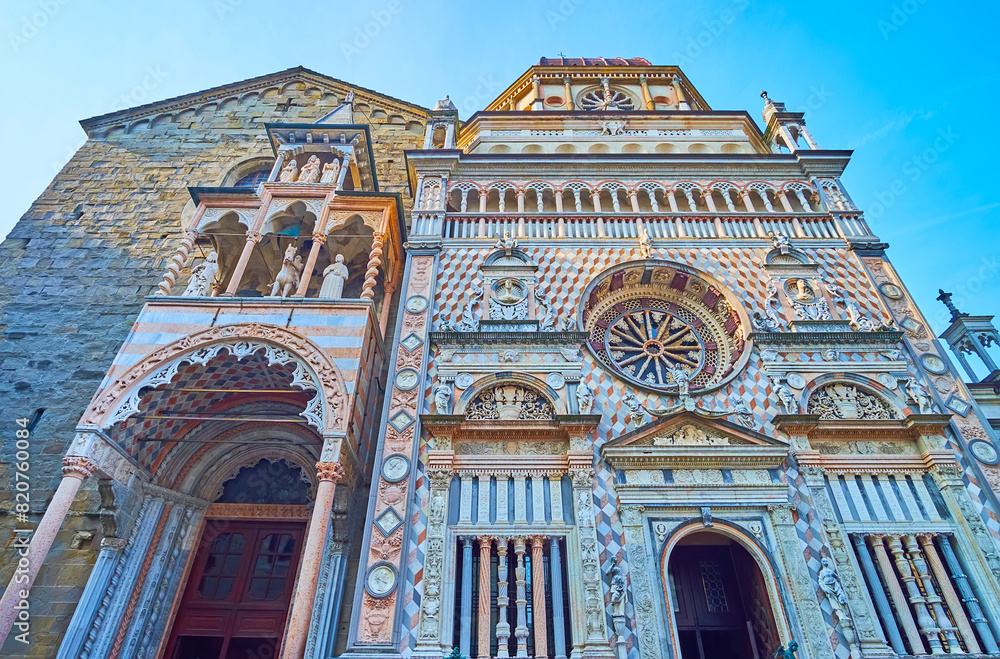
{"type": "Point", "coordinates": [984, 451]}
{"type": "Point", "coordinates": [795, 381]}
{"type": "Point", "coordinates": [381, 579]}
{"type": "Point", "coordinates": [555, 380]}
{"type": "Point", "coordinates": [407, 378]}
{"type": "Point", "coordinates": [464, 380]}
{"type": "Point", "coordinates": [886, 380]}
{"type": "Point", "coordinates": [934, 364]}
{"type": "Point", "coordinates": [891, 291]}
{"type": "Point", "coordinates": [395, 467]}
{"type": "Point", "coordinates": [416, 303]}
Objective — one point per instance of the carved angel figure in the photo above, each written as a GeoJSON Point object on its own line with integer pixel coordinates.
{"type": "Point", "coordinates": [780, 241]}
{"type": "Point", "coordinates": [786, 401]}
{"type": "Point", "coordinates": [546, 313]}
{"type": "Point", "coordinates": [507, 243]}
{"type": "Point", "coordinates": [636, 414]}
{"type": "Point", "coordinates": [919, 394]}
{"type": "Point", "coordinates": [200, 284]}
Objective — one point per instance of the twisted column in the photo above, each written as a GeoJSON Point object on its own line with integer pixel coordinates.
{"type": "Point", "coordinates": [374, 261]}
{"type": "Point", "coordinates": [928, 627]}
{"type": "Point", "coordinates": [177, 262]}
{"type": "Point", "coordinates": [329, 474]}
{"type": "Point", "coordinates": [520, 580]}
{"type": "Point", "coordinates": [503, 599]}
{"type": "Point", "coordinates": [485, 555]}
{"type": "Point", "coordinates": [75, 471]}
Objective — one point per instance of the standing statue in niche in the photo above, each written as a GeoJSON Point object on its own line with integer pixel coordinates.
{"type": "Point", "coordinates": [310, 172]}
{"type": "Point", "coordinates": [334, 276]}
{"type": "Point", "coordinates": [330, 172]}
{"type": "Point", "coordinates": [288, 277]}
{"type": "Point", "coordinates": [442, 398]}
{"type": "Point", "coordinates": [919, 394]}
{"type": "Point", "coordinates": [617, 589]}
{"type": "Point", "coordinates": [829, 583]}
{"type": "Point", "coordinates": [202, 277]}
{"type": "Point", "coordinates": [290, 172]}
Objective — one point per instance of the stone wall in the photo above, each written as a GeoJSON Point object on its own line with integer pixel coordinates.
{"type": "Point", "coordinates": [75, 268]}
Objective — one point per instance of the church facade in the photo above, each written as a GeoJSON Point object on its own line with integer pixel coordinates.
{"type": "Point", "coordinates": [598, 372]}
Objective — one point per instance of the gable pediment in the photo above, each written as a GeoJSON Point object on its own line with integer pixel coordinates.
{"type": "Point", "coordinates": [298, 80]}
{"type": "Point", "coordinates": [689, 440]}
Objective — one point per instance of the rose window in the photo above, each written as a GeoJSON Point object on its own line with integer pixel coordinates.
{"type": "Point", "coordinates": [659, 324]}
{"type": "Point", "coordinates": [649, 344]}
{"type": "Point", "coordinates": [597, 99]}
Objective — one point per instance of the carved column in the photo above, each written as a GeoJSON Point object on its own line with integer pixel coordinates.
{"type": "Point", "coordinates": [859, 625]}
{"type": "Point", "coordinates": [928, 627]}
{"type": "Point", "coordinates": [253, 237]}
{"type": "Point", "coordinates": [558, 619]}
{"type": "Point", "coordinates": [520, 581]}
{"type": "Point", "coordinates": [568, 92]}
{"type": "Point", "coordinates": [948, 591]}
{"type": "Point", "coordinates": [878, 594]}
{"type": "Point", "coordinates": [177, 262]}
{"type": "Point", "coordinates": [429, 641]}
{"type": "Point", "coordinates": [643, 598]}
{"type": "Point", "coordinates": [319, 239]}
{"type": "Point", "coordinates": [968, 595]}
{"type": "Point", "coordinates": [90, 600]}
{"type": "Point", "coordinates": [647, 99]}
{"type": "Point", "coordinates": [374, 261]}
{"type": "Point", "coordinates": [503, 626]}
{"type": "Point", "coordinates": [465, 608]}
{"type": "Point", "coordinates": [328, 474]}
{"type": "Point", "coordinates": [889, 579]}
{"type": "Point", "coordinates": [930, 594]}
{"type": "Point", "coordinates": [485, 558]}
{"type": "Point", "coordinates": [538, 596]}
{"type": "Point", "coordinates": [75, 471]}
{"type": "Point", "coordinates": [595, 640]}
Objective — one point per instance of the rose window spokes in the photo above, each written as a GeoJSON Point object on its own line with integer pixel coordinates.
{"type": "Point", "coordinates": [648, 344]}
{"type": "Point", "coordinates": [597, 99]}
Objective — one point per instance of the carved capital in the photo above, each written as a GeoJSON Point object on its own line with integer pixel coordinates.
{"type": "Point", "coordinates": [329, 471]}
{"type": "Point", "coordinates": [253, 236]}
{"type": "Point", "coordinates": [632, 515]}
{"type": "Point", "coordinates": [319, 238]}
{"type": "Point", "coordinates": [78, 467]}
{"type": "Point", "coordinates": [582, 477]}
{"type": "Point", "coordinates": [439, 478]}
{"type": "Point", "coordinates": [114, 544]}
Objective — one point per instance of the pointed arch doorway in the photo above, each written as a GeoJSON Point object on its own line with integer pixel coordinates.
{"type": "Point", "coordinates": [719, 600]}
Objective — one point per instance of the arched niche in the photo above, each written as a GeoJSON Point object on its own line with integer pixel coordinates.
{"type": "Point", "coordinates": [509, 397]}
{"type": "Point", "coordinates": [846, 396]}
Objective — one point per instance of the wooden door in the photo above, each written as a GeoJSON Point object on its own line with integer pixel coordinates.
{"type": "Point", "coordinates": [236, 599]}
{"type": "Point", "coordinates": [707, 604]}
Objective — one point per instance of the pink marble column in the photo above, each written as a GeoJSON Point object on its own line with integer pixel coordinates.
{"type": "Point", "coordinates": [75, 471]}
{"type": "Point", "coordinates": [329, 474]}
{"type": "Point", "coordinates": [253, 237]}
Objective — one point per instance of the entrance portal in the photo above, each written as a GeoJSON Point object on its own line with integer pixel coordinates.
{"type": "Point", "coordinates": [237, 597]}
{"type": "Point", "coordinates": [719, 600]}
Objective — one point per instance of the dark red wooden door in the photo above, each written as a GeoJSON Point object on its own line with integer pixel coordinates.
{"type": "Point", "coordinates": [236, 599]}
{"type": "Point", "coordinates": [708, 606]}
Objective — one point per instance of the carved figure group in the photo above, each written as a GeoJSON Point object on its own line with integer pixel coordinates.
{"type": "Point", "coordinates": [311, 172]}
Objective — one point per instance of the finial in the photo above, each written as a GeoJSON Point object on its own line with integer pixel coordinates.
{"type": "Point", "coordinates": [946, 299]}
{"type": "Point", "coordinates": [763, 95]}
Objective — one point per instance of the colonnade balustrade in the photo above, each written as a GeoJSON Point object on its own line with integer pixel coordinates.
{"type": "Point", "coordinates": [516, 586]}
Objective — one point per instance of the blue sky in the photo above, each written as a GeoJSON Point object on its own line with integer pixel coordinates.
{"type": "Point", "coordinates": [911, 85]}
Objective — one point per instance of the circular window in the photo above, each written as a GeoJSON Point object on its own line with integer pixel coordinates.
{"type": "Point", "coordinates": [653, 323]}
{"type": "Point", "coordinates": [614, 99]}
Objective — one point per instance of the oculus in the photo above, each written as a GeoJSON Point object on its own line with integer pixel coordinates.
{"type": "Point", "coordinates": [664, 327]}
{"type": "Point", "coordinates": [606, 99]}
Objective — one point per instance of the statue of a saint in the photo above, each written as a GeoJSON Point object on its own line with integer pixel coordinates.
{"type": "Point", "coordinates": [330, 172]}
{"type": "Point", "coordinates": [442, 398]}
{"type": "Point", "coordinates": [310, 172]}
{"type": "Point", "coordinates": [202, 277]}
{"type": "Point", "coordinates": [334, 277]}
{"type": "Point", "coordinates": [617, 590]}
{"type": "Point", "coordinates": [584, 398]}
{"type": "Point", "coordinates": [289, 172]}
